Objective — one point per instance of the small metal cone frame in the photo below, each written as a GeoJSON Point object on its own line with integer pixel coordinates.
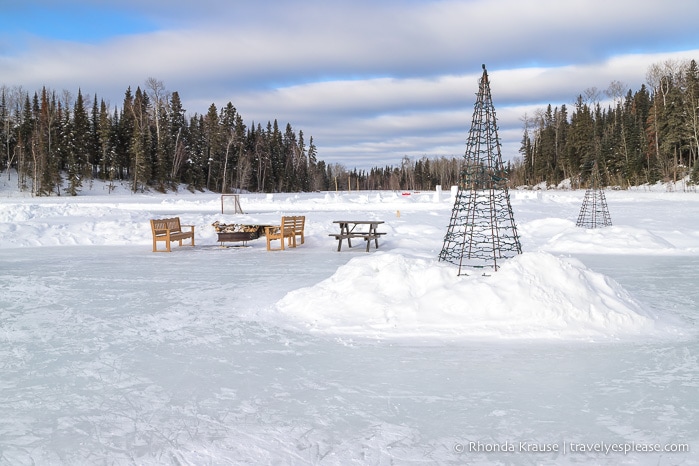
{"type": "Point", "coordinates": [594, 212]}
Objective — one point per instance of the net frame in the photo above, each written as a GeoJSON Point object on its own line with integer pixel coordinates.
{"type": "Point", "coordinates": [228, 200]}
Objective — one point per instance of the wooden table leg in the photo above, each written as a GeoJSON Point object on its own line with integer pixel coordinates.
{"type": "Point", "coordinates": [347, 231]}
{"type": "Point", "coordinates": [343, 230]}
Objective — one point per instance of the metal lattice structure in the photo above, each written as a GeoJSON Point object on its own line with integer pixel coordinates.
{"type": "Point", "coordinates": [594, 212]}
{"type": "Point", "coordinates": [482, 228]}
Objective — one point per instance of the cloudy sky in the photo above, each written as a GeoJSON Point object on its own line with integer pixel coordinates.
{"type": "Point", "coordinates": [370, 80]}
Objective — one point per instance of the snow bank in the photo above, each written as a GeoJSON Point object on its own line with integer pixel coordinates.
{"type": "Point", "coordinates": [557, 235]}
{"type": "Point", "coordinates": [534, 295]}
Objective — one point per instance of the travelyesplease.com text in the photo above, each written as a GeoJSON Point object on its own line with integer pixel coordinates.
{"type": "Point", "coordinates": [605, 448]}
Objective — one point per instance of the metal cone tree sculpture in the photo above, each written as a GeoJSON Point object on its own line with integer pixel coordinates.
{"type": "Point", "coordinates": [482, 228]}
{"type": "Point", "coordinates": [594, 212]}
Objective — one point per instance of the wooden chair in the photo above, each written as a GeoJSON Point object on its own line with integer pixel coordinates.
{"type": "Point", "coordinates": [290, 228]}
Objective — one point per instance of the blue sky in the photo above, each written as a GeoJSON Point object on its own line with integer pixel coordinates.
{"type": "Point", "coordinates": [21, 22]}
{"type": "Point", "coordinates": [371, 81]}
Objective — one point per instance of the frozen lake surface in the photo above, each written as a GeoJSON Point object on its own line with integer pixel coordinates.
{"type": "Point", "coordinates": [112, 354]}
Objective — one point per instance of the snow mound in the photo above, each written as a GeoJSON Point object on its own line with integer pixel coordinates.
{"type": "Point", "coordinates": [615, 240]}
{"type": "Point", "coordinates": [555, 235]}
{"type": "Point", "coordinates": [534, 295]}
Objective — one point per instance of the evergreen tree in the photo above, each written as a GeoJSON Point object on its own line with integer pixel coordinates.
{"type": "Point", "coordinates": [25, 127]}
{"type": "Point", "coordinates": [640, 110]}
{"type": "Point", "coordinates": [242, 160]}
{"type": "Point", "coordinates": [290, 155]}
{"type": "Point", "coordinates": [140, 146]}
{"type": "Point", "coordinates": [212, 148]}
{"type": "Point", "coordinates": [178, 135]}
{"type": "Point", "coordinates": [277, 179]}
{"type": "Point", "coordinates": [162, 141]}
{"type": "Point", "coordinates": [581, 150]}
{"type": "Point", "coordinates": [674, 130]}
{"type": "Point", "coordinates": [80, 132]}
{"type": "Point", "coordinates": [94, 149]}
{"type": "Point", "coordinates": [195, 174]}
{"type": "Point", "coordinates": [68, 153]}
{"type": "Point", "coordinates": [259, 145]}
{"type": "Point", "coordinates": [5, 132]}
{"type": "Point", "coordinates": [561, 127]}
{"type": "Point", "coordinates": [691, 101]}
{"type": "Point", "coordinates": [125, 122]}
{"type": "Point", "coordinates": [50, 177]}
{"type": "Point", "coordinates": [107, 140]}
{"type": "Point", "coordinates": [546, 149]}
{"type": "Point", "coordinates": [229, 138]}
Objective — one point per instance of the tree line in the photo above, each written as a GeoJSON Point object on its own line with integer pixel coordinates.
{"type": "Point", "coordinates": [642, 137]}
{"type": "Point", "coordinates": [54, 139]}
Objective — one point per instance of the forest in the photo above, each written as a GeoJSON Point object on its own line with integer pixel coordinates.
{"type": "Point", "coordinates": [57, 141]}
{"type": "Point", "coordinates": [642, 137]}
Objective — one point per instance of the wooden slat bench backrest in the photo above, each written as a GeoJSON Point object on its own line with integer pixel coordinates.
{"type": "Point", "coordinates": [160, 226]}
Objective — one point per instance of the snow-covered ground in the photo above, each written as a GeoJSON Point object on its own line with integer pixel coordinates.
{"type": "Point", "coordinates": [585, 344]}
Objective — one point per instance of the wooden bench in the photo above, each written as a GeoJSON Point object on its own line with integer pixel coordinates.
{"type": "Point", "coordinates": [290, 228]}
{"type": "Point", "coordinates": [347, 231]}
{"type": "Point", "coordinates": [168, 230]}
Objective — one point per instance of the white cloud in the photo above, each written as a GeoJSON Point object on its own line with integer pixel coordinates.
{"type": "Point", "coordinates": [379, 78]}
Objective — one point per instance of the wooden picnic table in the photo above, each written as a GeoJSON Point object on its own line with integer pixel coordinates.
{"type": "Point", "coordinates": [348, 231]}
